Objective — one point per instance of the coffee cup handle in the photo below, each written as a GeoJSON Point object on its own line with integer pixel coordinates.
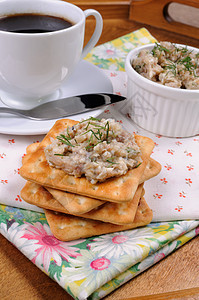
{"type": "Point", "coordinates": [97, 32]}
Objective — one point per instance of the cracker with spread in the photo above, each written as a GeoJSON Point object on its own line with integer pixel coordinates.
{"type": "Point", "coordinates": [73, 203]}
{"type": "Point", "coordinates": [38, 169]}
{"type": "Point", "coordinates": [88, 177]}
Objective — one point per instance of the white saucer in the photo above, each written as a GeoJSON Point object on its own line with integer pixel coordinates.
{"type": "Point", "coordinates": [86, 78]}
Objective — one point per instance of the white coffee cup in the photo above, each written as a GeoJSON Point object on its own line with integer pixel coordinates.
{"type": "Point", "coordinates": [33, 66]}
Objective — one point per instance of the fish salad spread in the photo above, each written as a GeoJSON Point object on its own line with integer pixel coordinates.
{"type": "Point", "coordinates": [94, 148]}
{"type": "Point", "coordinates": [169, 65]}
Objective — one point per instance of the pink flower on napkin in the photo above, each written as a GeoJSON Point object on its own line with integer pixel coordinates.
{"type": "Point", "coordinates": [100, 263]}
{"type": "Point", "coordinates": [48, 247]}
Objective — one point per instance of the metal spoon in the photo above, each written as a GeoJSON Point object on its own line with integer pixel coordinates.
{"type": "Point", "coordinates": [65, 107]}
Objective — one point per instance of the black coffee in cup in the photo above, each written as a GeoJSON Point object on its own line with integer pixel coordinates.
{"type": "Point", "coordinates": [33, 23]}
{"type": "Point", "coordinates": [41, 44]}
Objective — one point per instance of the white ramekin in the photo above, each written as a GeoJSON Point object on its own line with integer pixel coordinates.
{"type": "Point", "coordinates": [160, 109]}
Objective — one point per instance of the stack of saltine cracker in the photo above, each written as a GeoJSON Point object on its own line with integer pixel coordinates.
{"type": "Point", "coordinates": [74, 207]}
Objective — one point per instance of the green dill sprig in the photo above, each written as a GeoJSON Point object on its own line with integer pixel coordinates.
{"type": "Point", "coordinates": [187, 63]}
{"type": "Point", "coordinates": [160, 48]}
{"type": "Point", "coordinates": [90, 119]}
{"type": "Point", "coordinates": [96, 132]}
{"type": "Point", "coordinates": [111, 162]}
{"type": "Point", "coordinates": [183, 50]}
{"type": "Point", "coordinates": [93, 133]}
{"type": "Point", "coordinates": [92, 145]}
{"type": "Point", "coordinates": [138, 165]}
{"type": "Point", "coordinates": [63, 139]}
{"type": "Point", "coordinates": [96, 126]}
{"type": "Point", "coordinates": [69, 137]}
{"type": "Point", "coordinates": [171, 67]}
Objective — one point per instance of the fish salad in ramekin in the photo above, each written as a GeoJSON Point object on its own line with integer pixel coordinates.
{"type": "Point", "coordinates": [163, 88]}
{"type": "Point", "coordinates": [170, 65]}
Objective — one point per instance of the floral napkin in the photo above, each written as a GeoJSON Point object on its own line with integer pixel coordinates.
{"type": "Point", "coordinates": [92, 268]}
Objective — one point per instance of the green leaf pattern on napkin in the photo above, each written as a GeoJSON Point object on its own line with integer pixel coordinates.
{"type": "Point", "coordinates": [111, 55]}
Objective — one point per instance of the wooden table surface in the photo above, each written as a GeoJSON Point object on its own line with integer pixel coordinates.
{"type": "Point", "coordinates": [177, 275]}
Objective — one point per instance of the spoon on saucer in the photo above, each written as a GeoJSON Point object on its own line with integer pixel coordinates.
{"type": "Point", "coordinates": [66, 106]}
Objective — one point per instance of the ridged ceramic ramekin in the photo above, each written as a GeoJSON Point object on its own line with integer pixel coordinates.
{"type": "Point", "coordinates": [160, 109]}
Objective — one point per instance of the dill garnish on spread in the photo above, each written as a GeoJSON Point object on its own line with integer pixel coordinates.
{"type": "Point", "coordinates": [170, 65]}
{"type": "Point", "coordinates": [94, 148]}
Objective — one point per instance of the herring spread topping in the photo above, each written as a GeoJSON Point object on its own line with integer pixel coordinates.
{"type": "Point", "coordinates": [169, 65]}
{"type": "Point", "coordinates": [94, 148]}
